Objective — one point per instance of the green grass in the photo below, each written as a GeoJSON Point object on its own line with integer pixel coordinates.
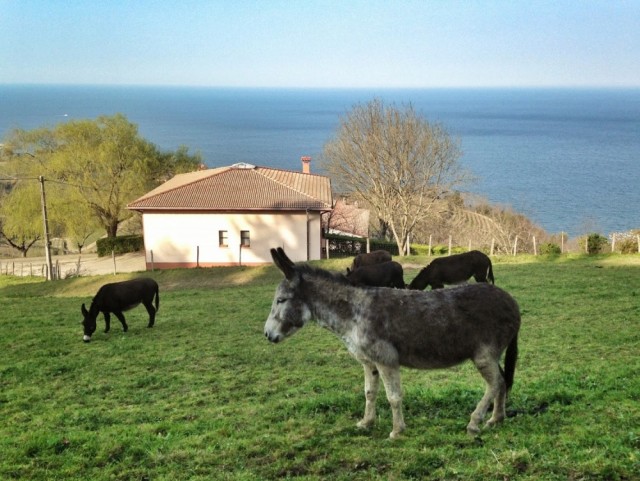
{"type": "Point", "coordinates": [204, 396]}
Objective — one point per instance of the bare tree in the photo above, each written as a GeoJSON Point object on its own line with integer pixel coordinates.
{"type": "Point", "coordinates": [396, 162]}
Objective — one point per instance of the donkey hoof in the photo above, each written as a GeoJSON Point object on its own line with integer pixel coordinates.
{"type": "Point", "coordinates": [492, 422]}
{"type": "Point", "coordinates": [364, 424]}
{"type": "Point", "coordinates": [397, 431]}
{"type": "Point", "coordinates": [473, 430]}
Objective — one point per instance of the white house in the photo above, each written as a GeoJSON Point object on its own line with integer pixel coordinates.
{"type": "Point", "coordinates": [233, 216]}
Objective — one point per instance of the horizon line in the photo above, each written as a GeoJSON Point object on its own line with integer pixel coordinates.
{"type": "Point", "coordinates": [311, 87]}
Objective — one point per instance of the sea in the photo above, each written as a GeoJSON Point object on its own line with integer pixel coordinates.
{"type": "Point", "coordinates": [568, 159]}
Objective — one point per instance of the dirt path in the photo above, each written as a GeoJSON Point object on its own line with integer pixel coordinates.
{"type": "Point", "coordinates": [68, 265]}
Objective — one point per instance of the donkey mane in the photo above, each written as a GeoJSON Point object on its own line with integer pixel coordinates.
{"type": "Point", "coordinates": [317, 272]}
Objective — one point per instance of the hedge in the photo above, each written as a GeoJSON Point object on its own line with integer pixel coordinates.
{"type": "Point", "coordinates": [119, 245]}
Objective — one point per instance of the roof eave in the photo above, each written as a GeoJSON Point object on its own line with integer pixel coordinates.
{"type": "Point", "coordinates": [229, 209]}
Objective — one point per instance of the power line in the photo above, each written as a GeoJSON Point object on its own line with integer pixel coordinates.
{"type": "Point", "coordinates": [55, 181]}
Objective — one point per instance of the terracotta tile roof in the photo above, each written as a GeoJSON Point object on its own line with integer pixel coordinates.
{"type": "Point", "coordinates": [239, 187]}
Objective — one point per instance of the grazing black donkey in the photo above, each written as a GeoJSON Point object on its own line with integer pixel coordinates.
{"type": "Point", "coordinates": [375, 257]}
{"type": "Point", "coordinates": [118, 297]}
{"type": "Point", "coordinates": [454, 269]}
{"type": "Point", "coordinates": [385, 274]}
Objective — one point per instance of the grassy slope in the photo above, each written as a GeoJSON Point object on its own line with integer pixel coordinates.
{"type": "Point", "coordinates": [204, 396]}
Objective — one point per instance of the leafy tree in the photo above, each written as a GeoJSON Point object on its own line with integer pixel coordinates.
{"type": "Point", "coordinates": [394, 161]}
{"type": "Point", "coordinates": [21, 216]}
{"type": "Point", "coordinates": [99, 165]}
{"type": "Point", "coordinates": [68, 210]}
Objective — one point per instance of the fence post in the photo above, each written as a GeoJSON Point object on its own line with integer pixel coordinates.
{"type": "Point", "coordinates": [113, 256]}
{"type": "Point", "coordinates": [561, 242]}
{"type": "Point", "coordinates": [535, 249]}
{"type": "Point", "coordinates": [450, 240]}
{"type": "Point", "coordinates": [368, 246]}
{"type": "Point", "coordinates": [430, 236]}
{"type": "Point", "coordinates": [613, 242]}
{"type": "Point", "coordinates": [152, 266]}
{"type": "Point", "coordinates": [493, 243]}
{"type": "Point", "coordinates": [197, 256]}
{"type": "Point", "coordinates": [638, 238]}
{"type": "Point", "coordinates": [515, 246]}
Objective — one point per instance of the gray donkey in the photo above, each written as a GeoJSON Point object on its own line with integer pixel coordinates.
{"type": "Point", "coordinates": [387, 328]}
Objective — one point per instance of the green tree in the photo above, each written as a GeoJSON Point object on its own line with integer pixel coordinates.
{"type": "Point", "coordinates": [21, 222]}
{"type": "Point", "coordinates": [68, 210]}
{"type": "Point", "coordinates": [394, 161]}
{"type": "Point", "coordinates": [100, 165]}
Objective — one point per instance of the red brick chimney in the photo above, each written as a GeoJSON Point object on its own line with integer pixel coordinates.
{"type": "Point", "coordinates": [306, 164]}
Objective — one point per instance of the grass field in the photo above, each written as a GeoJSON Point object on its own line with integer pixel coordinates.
{"type": "Point", "coordinates": [204, 396]}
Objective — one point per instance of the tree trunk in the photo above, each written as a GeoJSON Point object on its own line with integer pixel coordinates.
{"type": "Point", "coordinates": [112, 228]}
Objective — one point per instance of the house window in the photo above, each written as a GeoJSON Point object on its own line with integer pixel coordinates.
{"type": "Point", "coordinates": [223, 240]}
{"type": "Point", "coordinates": [245, 240]}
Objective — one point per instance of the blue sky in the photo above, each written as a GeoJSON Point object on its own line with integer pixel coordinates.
{"type": "Point", "coordinates": [322, 43]}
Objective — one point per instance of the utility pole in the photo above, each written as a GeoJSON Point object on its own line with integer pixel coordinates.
{"type": "Point", "coordinates": [47, 243]}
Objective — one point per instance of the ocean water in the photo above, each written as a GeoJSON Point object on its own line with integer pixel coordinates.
{"type": "Point", "coordinates": [568, 159]}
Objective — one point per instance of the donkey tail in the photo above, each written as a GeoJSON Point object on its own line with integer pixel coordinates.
{"type": "Point", "coordinates": [490, 274]}
{"type": "Point", "coordinates": [510, 359]}
{"type": "Point", "coordinates": [157, 298]}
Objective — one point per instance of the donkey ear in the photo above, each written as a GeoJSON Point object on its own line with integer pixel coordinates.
{"type": "Point", "coordinates": [283, 263]}
{"type": "Point", "coordinates": [84, 310]}
{"type": "Point", "coordinates": [284, 257]}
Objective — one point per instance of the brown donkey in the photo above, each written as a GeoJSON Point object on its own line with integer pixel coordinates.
{"type": "Point", "coordinates": [387, 328]}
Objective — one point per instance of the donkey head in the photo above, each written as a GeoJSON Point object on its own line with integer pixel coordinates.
{"type": "Point", "coordinates": [89, 323]}
{"type": "Point", "coordinates": [289, 310]}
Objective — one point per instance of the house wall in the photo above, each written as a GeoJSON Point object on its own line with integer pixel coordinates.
{"type": "Point", "coordinates": [187, 239]}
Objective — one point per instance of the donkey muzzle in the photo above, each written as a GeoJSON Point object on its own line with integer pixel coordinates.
{"type": "Point", "coordinates": [272, 337]}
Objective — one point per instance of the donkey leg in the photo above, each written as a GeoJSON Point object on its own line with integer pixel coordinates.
{"type": "Point", "coordinates": [107, 321]}
{"type": "Point", "coordinates": [120, 317]}
{"type": "Point", "coordinates": [371, 385]}
{"type": "Point", "coordinates": [495, 391]}
{"type": "Point", "coordinates": [393, 387]}
{"type": "Point", "coordinates": [152, 313]}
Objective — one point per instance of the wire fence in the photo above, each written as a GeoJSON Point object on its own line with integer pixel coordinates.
{"type": "Point", "coordinates": [66, 266]}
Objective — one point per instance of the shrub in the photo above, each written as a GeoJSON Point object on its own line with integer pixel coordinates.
{"type": "Point", "coordinates": [628, 246]}
{"type": "Point", "coordinates": [550, 248]}
{"type": "Point", "coordinates": [119, 245]}
{"type": "Point", "coordinates": [419, 250]}
{"type": "Point", "coordinates": [443, 249]}
{"type": "Point", "coordinates": [595, 243]}
{"type": "Point", "coordinates": [377, 244]}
